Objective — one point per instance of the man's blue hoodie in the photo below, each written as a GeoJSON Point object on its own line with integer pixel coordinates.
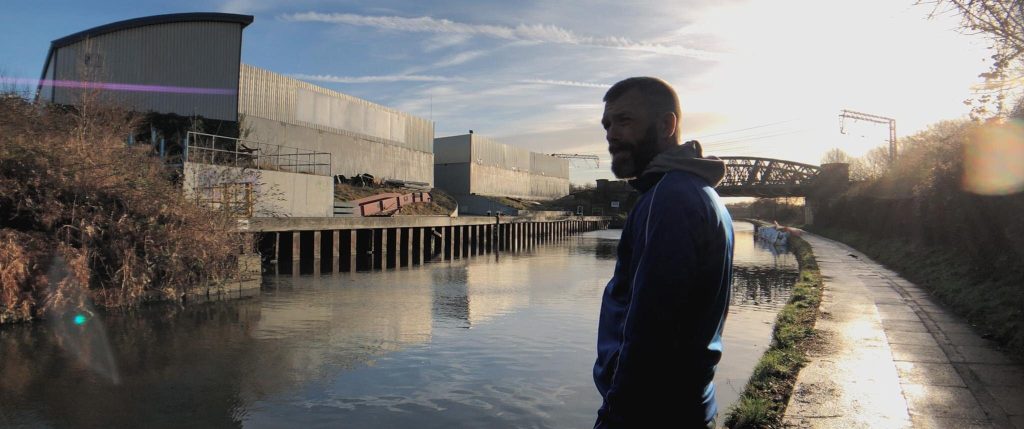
{"type": "Point", "coordinates": [660, 333]}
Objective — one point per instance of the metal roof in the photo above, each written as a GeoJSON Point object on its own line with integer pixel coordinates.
{"type": "Point", "coordinates": [244, 20]}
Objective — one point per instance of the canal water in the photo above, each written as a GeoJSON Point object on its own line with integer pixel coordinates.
{"type": "Point", "coordinates": [473, 343]}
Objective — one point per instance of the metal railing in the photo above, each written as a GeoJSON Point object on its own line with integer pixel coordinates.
{"type": "Point", "coordinates": [221, 150]}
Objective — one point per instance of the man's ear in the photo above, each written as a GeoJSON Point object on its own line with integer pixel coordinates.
{"type": "Point", "coordinates": [668, 125]}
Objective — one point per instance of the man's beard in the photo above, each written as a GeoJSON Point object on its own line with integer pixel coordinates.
{"type": "Point", "coordinates": [630, 160]}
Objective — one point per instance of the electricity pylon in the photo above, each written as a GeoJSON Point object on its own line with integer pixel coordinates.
{"type": "Point", "coordinates": [849, 114]}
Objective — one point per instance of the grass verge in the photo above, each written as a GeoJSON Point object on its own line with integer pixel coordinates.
{"type": "Point", "coordinates": [992, 301]}
{"type": "Point", "coordinates": [763, 401]}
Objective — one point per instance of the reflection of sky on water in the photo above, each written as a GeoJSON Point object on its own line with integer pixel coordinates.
{"type": "Point", "coordinates": [469, 344]}
{"type": "Point", "coordinates": [763, 274]}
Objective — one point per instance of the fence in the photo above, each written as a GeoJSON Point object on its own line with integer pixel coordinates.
{"type": "Point", "coordinates": [220, 150]}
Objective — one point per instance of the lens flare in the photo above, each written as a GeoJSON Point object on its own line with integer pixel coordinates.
{"type": "Point", "coordinates": [112, 86]}
{"type": "Point", "coordinates": [994, 159]}
{"type": "Point", "coordinates": [79, 331]}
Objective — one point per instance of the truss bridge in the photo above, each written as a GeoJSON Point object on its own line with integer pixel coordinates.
{"type": "Point", "coordinates": [766, 177]}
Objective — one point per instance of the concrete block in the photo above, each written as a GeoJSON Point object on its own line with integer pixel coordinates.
{"type": "Point", "coordinates": [912, 353]}
{"type": "Point", "coordinates": [998, 375]}
{"type": "Point", "coordinates": [1011, 398]}
{"type": "Point", "coordinates": [932, 422]}
{"type": "Point", "coordinates": [942, 402]}
{"type": "Point", "coordinates": [929, 374]}
{"type": "Point", "coordinates": [981, 354]}
{"type": "Point", "coordinates": [911, 338]}
{"type": "Point", "coordinates": [903, 325]}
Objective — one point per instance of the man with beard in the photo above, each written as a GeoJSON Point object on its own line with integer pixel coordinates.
{"type": "Point", "coordinates": [660, 333]}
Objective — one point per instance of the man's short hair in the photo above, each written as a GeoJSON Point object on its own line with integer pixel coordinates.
{"type": "Point", "coordinates": [661, 96]}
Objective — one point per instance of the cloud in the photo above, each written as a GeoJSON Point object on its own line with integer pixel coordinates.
{"type": "Point", "coordinates": [435, 78]}
{"type": "Point", "coordinates": [246, 6]}
{"type": "Point", "coordinates": [375, 79]}
{"type": "Point", "coordinates": [459, 58]}
{"type": "Point", "coordinates": [580, 106]}
{"type": "Point", "coordinates": [565, 83]}
{"type": "Point", "coordinates": [442, 41]}
{"type": "Point", "coordinates": [542, 33]}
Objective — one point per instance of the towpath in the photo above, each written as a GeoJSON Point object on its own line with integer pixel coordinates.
{"type": "Point", "coordinates": [891, 357]}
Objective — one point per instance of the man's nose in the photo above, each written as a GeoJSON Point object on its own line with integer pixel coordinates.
{"type": "Point", "coordinates": [611, 133]}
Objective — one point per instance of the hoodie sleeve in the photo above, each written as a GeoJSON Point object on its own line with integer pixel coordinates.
{"type": "Point", "coordinates": [653, 356]}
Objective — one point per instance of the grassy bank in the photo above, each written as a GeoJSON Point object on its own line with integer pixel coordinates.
{"type": "Point", "coordinates": [87, 220]}
{"type": "Point", "coordinates": [992, 300]}
{"type": "Point", "coordinates": [763, 402]}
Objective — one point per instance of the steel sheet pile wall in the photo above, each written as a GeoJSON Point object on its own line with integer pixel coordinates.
{"type": "Point", "coordinates": [361, 136]}
{"type": "Point", "coordinates": [185, 68]}
{"type": "Point", "coordinates": [470, 164]}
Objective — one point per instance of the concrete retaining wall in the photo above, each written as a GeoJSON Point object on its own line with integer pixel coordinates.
{"type": "Point", "coordinates": [278, 193]}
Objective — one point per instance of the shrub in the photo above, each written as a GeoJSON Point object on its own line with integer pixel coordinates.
{"type": "Point", "coordinates": [83, 216]}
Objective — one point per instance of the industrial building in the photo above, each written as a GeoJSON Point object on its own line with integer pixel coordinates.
{"type": "Point", "coordinates": [469, 164]}
{"type": "Point", "coordinates": [188, 66]}
{"type": "Point", "coordinates": [362, 137]}
{"type": "Point", "coordinates": [183, 63]}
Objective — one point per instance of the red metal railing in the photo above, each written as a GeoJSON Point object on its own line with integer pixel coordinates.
{"type": "Point", "coordinates": [387, 204]}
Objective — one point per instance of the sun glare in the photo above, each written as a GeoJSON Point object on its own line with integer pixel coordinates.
{"type": "Point", "coordinates": [992, 160]}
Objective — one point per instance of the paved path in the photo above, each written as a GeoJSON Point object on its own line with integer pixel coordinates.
{"type": "Point", "coordinates": [892, 358]}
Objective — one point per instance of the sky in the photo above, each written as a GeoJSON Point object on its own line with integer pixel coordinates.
{"type": "Point", "coordinates": [761, 78]}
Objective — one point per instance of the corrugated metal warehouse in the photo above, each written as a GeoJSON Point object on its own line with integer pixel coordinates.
{"type": "Point", "coordinates": [189, 65]}
{"type": "Point", "coordinates": [183, 63]}
{"type": "Point", "coordinates": [470, 164]}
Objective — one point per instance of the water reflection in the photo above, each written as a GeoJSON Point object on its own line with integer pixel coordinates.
{"type": "Point", "coordinates": [473, 343]}
{"type": "Point", "coordinates": [606, 248]}
{"type": "Point", "coordinates": [184, 378]}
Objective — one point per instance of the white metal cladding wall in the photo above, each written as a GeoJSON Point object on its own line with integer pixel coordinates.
{"type": "Point", "coordinates": [350, 155]}
{"type": "Point", "coordinates": [548, 165]}
{"type": "Point", "coordinates": [452, 149]}
{"type": "Point", "coordinates": [181, 54]}
{"type": "Point", "coordinates": [547, 187]}
{"type": "Point", "coordinates": [491, 153]}
{"type": "Point", "coordinates": [269, 95]}
{"type": "Point", "coordinates": [499, 170]}
{"type": "Point", "coordinates": [496, 181]}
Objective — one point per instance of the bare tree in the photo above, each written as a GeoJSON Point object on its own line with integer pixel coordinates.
{"type": "Point", "coordinates": [836, 156]}
{"type": "Point", "coordinates": [1003, 22]}
{"type": "Point", "coordinates": [874, 164]}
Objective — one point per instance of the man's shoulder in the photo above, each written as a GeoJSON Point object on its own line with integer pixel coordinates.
{"type": "Point", "coordinates": [683, 196]}
{"type": "Point", "coordinates": [685, 180]}
{"type": "Point", "coordinates": [679, 190]}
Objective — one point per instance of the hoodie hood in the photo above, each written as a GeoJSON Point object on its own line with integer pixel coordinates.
{"type": "Point", "coordinates": [688, 157]}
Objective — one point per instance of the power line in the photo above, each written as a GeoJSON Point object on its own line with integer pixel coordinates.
{"type": "Point", "coordinates": [742, 129]}
{"type": "Point", "coordinates": [754, 137]}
